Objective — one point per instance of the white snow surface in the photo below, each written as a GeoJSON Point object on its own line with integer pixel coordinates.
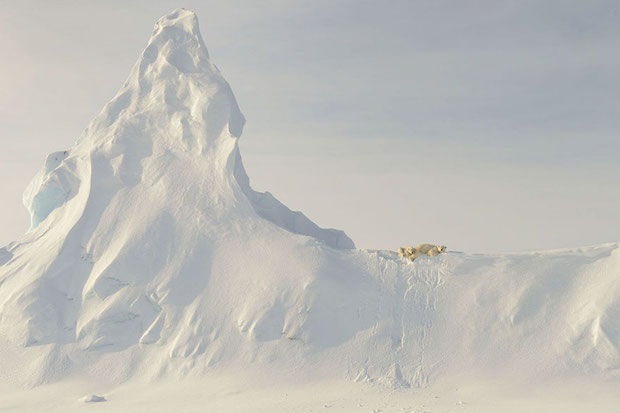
{"type": "Point", "coordinates": [151, 258]}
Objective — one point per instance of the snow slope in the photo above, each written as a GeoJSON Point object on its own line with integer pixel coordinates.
{"type": "Point", "coordinates": [150, 257]}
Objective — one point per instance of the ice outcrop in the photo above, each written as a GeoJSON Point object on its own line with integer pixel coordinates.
{"type": "Point", "coordinates": [51, 188]}
{"type": "Point", "coordinates": [5, 255]}
{"type": "Point", "coordinates": [93, 398]}
{"type": "Point", "coordinates": [150, 255]}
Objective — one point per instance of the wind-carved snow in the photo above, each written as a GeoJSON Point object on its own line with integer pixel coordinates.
{"type": "Point", "coordinates": [150, 255]}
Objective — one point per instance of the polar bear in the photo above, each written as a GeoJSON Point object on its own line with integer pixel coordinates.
{"type": "Point", "coordinates": [430, 249]}
{"type": "Point", "coordinates": [421, 249]}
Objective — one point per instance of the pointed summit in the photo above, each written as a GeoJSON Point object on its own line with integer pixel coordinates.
{"type": "Point", "coordinates": [174, 90]}
{"type": "Point", "coordinates": [176, 40]}
{"type": "Point", "coordinates": [176, 22]}
{"type": "Point", "coordinates": [175, 118]}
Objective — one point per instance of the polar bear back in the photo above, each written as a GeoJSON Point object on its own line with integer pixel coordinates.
{"type": "Point", "coordinates": [421, 249]}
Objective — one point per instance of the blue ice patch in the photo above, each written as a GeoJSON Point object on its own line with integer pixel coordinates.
{"type": "Point", "coordinates": [45, 202]}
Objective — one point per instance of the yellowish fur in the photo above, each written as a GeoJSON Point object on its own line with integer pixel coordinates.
{"type": "Point", "coordinates": [421, 249]}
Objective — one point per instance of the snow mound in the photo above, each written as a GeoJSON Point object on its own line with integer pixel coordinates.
{"type": "Point", "coordinates": [93, 398]}
{"type": "Point", "coordinates": [151, 256]}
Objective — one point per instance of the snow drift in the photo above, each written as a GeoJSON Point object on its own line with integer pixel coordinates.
{"type": "Point", "coordinates": [151, 256]}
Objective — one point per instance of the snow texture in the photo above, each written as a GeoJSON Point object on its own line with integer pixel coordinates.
{"type": "Point", "coordinates": [150, 256]}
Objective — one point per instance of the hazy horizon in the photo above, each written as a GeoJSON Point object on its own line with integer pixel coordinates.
{"type": "Point", "coordinates": [484, 126]}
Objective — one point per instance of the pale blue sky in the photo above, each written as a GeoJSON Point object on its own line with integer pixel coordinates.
{"type": "Point", "coordinates": [483, 125]}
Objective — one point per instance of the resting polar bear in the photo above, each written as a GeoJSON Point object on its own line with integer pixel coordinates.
{"type": "Point", "coordinates": [421, 249]}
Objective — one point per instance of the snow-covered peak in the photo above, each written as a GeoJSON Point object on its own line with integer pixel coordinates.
{"type": "Point", "coordinates": [180, 25]}
{"type": "Point", "coordinates": [174, 119]}
{"type": "Point", "coordinates": [173, 86]}
{"type": "Point", "coordinates": [177, 40]}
